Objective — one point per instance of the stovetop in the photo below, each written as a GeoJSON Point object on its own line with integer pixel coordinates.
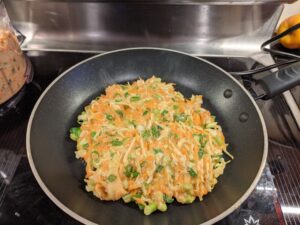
{"type": "Point", "coordinates": [275, 200]}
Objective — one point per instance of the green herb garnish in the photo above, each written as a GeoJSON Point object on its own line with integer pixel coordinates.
{"type": "Point", "coordinates": [192, 172]}
{"type": "Point", "coordinates": [201, 152]}
{"type": "Point", "coordinates": [180, 118]}
{"type": "Point", "coordinates": [155, 131]}
{"type": "Point", "coordinates": [120, 113]}
{"type": "Point", "coordinates": [128, 170]}
{"type": "Point", "coordinates": [164, 112]}
{"type": "Point", "coordinates": [146, 134]}
{"type": "Point", "coordinates": [134, 174]}
{"type": "Point", "coordinates": [116, 142]}
{"type": "Point", "coordinates": [93, 134]}
{"type": "Point", "coordinates": [159, 168]}
{"type": "Point", "coordinates": [75, 133]}
{"type": "Point", "coordinates": [135, 98]}
{"type": "Point", "coordinates": [132, 122]}
{"type": "Point", "coordinates": [111, 178]}
{"type": "Point", "coordinates": [168, 199]}
{"type": "Point", "coordinates": [109, 117]}
{"type": "Point", "coordinates": [85, 145]}
{"type": "Point", "coordinates": [157, 150]}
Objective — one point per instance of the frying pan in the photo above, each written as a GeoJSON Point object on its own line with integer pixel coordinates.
{"type": "Point", "coordinates": [60, 175]}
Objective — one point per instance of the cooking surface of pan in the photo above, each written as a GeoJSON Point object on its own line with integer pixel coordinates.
{"type": "Point", "coordinates": [51, 153]}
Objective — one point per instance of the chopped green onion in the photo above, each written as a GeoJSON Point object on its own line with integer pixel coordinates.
{"type": "Point", "coordinates": [135, 98]}
{"type": "Point", "coordinates": [164, 119]}
{"type": "Point", "coordinates": [155, 131]}
{"type": "Point", "coordinates": [157, 150]}
{"type": "Point", "coordinates": [93, 134]}
{"type": "Point", "coordinates": [75, 133]}
{"type": "Point", "coordinates": [159, 168]}
{"type": "Point", "coordinates": [123, 86]}
{"type": "Point", "coordinates": [138, 194]}
{"type": "Point", "coordinates": [145, 112]}
{"type": "Point", "coordinates": [118, 100]}
{"type": "Point", "coordinates": [157, 96]}
{"type": "Point", "coordinates": [120, 113]}
{"type": "Point", "coordinates": [168, 199]}
{"type": "Point", "coordinates": [85, 145]}
{"type": "Point", "coordinates": [201, 139]}
{"type": "Point", "coordinates": [164, 112]}
{"type": "Point", "coordinates": [132, 122]}
{"type": "Point", "coordinates": [141, 206]}
{"type": "Point", "coordinates": [146, 134]}
{"type": "Point", "coordinates": [201, 152]}
{"type": "Point", "coordinates": [128, 170]}
{"type": "Point", "coordinates": [152, 207]}
{"type": "Point", "coordinates": [117, 94]}
{"type": "Point", "coordinates": [109, 117]}
{"type": "Point", "coordinates": [112, 178]}
{"type": "Point", "coordinates": [134, 174]}
{"type": "Point", "coordinates": [116, 142]}
{"type": "Point", "coordinates": [175, 106]}
{"type": "Point", "coordinates": [192, 172]}
{"type": "Point", "coordinates": [126, 94]}
{"type": "Point", "coordinates": [180, 118]}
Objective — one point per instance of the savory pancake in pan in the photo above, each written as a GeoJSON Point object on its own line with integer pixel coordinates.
{"type": "Point", "coordinates": [144, 142]}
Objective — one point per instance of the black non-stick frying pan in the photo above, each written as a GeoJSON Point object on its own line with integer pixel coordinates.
{"type": "Point", "coordinates": [60, 175]}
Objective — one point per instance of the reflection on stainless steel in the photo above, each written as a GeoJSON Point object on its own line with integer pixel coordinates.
{"type": "Point", "coordinates": [206, 28]}
{"type": "Point", "coordinates": [290, 210]}
{"type": "Point", "coordinates": [262, 188]}
{"type": "Point", "coordinates": [290, 100]}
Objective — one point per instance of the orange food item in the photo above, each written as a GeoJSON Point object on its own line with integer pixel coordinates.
{"type": "Point", "coordinates": [12, 66]}
{"type": "Point", "coordinates": [145, 142]}
{"type": "Point", "coordinates": [292, 40]}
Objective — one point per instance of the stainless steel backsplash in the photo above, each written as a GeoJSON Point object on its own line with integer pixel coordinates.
{"type": "Point", "coordinates": [205, 28]}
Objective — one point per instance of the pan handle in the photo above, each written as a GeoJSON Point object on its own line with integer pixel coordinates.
{"type": "Point", "coordinates": [280, 81]}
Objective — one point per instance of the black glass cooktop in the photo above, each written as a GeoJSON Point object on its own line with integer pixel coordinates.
{"type": "Point", "coordinates": [22, 201]}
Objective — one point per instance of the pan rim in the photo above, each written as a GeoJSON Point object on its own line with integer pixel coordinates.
{"type": "Point", "coordinates": [86, 221]}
